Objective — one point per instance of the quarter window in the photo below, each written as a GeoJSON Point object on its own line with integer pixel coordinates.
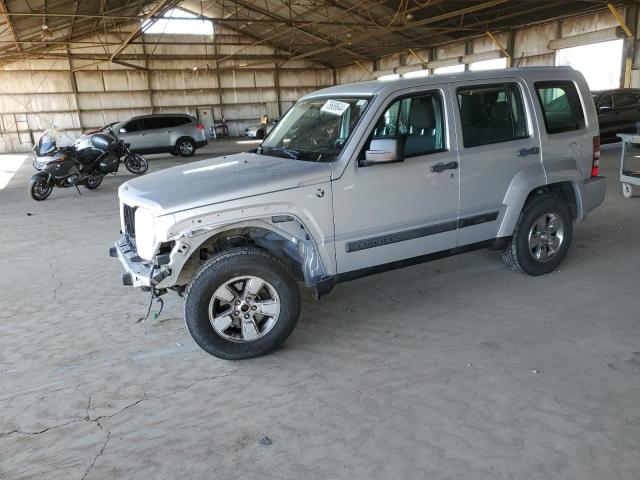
{"type": "Point", "coordinates": [561, 106]}
{"type": "Point", "coordinates": [491, 114]}
{"type": "Point", "coordinates": [418, 119]}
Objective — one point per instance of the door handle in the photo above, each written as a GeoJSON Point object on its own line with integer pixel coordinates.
{"type": "Point", "coordinates": [441, 167]}
{"type": "Point", "coordinates": [528, 151]}
{"type": "Point", "coordinates": [142, 134]}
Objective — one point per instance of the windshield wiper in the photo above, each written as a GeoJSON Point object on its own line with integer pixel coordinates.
{"type": "Point", "coordinates": [292, 153]}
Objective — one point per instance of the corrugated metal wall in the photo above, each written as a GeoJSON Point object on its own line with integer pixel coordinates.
{"type": "Point", "coordinates": [529, 47]}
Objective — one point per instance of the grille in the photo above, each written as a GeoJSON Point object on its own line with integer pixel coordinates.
{"type": "Point", "coordinates": [129, 215]}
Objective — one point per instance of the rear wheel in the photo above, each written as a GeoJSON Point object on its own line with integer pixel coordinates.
{"type": "Point", "coordinates": [542, 236]}
{"type": "Point", "coordinates": [242, 303]}
{"type": "Point", "coordinates": [186, 147]}
{"type": "Point", "coordinates": [40, 188]}
{"type": "Point", "coordinates": [136, 164]}
{"type": "Point", "coordinates": [94, 182]}
{"type": "Point", "coordinates": [627, 190]}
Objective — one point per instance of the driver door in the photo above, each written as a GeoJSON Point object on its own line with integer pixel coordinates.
{"type": "Point", "coordinates": [389, 212]}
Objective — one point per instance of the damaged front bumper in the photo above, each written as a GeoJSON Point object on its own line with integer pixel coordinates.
{"type": "Point", "coordinates": [138, 272]}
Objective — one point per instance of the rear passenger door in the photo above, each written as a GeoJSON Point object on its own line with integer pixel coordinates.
{"type": "Point", "coordinates": [627, 106]}
{"type": "Point", "coordinates": [496, 141]}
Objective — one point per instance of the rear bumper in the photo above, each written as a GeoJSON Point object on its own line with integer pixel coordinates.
{"type": "Point", "coordinates": [138, 272]}
{"type": "Point", "coordinates": [593, 193]}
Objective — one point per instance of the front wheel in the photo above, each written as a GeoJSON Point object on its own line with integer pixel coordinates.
{"type": "Point", "coordinates": [40, 187]}
{"type": "Point", "coordinates": [242, 303]}
{"type": "Point", "coordinates": [542, 236]}
{"type": "Point", "coordinates": [136, 164]}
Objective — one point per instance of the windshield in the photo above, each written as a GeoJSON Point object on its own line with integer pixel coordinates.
{"type": "Point", "coordinates": [315, 129]}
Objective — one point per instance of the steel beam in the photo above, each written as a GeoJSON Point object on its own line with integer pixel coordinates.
{"type": "Point", "coordinates": [418, 23]}
{"type": "Point", "coordinates": [6, 14]}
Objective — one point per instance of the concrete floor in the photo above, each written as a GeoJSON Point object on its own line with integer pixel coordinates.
{"type": "Point", "coordinates": [426, 372]}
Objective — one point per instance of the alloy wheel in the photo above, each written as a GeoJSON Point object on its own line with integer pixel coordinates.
{"type": "Point", "coordinates": [244, 309]}
{"type": "Point", "coordinates": [546, 236]}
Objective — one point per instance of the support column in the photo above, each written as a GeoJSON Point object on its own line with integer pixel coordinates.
{"type": "Point", "coordinates": [276, 81]}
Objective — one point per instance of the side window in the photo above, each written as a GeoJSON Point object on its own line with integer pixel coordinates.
{"type": "Point", "coordinates": [157, 122]}
{"type": "Point", "coordinates": [491, 114]}
{"type": "Point", "coordinates": [606, 102]}
{"type": "Point", "coordinates": [626, 99]}
{"type": "Point", "coordinates": [418, 119]}
{"type": "Point", "coordinates": [561, 106]}
{"type": "Point", "coordinates": [134, 126]}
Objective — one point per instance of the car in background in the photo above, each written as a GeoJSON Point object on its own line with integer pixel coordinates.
{"type": "Point", "coordinates": [260, 130]}
{"type": "Point", "coordinates": [618, 112]}
{"type": "Point", "coordinates": [174, 133]}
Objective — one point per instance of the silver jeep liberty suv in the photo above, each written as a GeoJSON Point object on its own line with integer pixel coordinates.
{"type": "Point", "coordinates": [362, 178]}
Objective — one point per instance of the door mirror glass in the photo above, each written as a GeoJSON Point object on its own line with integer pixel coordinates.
{"type": "Point", "coordinates": [384, 150]}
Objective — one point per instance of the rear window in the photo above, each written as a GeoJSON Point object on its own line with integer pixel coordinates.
{"type": "Point", "coordinates": [491, 114]}
{"type": "Point", "coordinates": [561, 106]}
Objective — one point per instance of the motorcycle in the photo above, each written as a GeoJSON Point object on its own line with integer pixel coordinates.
{"type": "Point", "coordinates": [86, 163]}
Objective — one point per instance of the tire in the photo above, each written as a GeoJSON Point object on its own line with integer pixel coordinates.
{"type": "Point", "coordinates": [627, 190]}
{"type": "Point", "coordinates": [93, 182]}
{"type": "Point", "coordinates": [40, 187]}
{"type": "Point", "coordinates": [229, 274]}
{"type": "Point", "coordinates": [136, 164]}
{"type": "Point", "coordinates": [185, 147]}
{"type": "Point", "coordinates": [552, 243]}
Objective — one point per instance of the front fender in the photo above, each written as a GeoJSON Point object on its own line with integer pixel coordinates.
{"type": "Point", "coordinates": [37, 176]}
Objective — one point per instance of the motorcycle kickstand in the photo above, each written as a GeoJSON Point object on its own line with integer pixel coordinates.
{"type": "Point", "coordinates": [78, 188]}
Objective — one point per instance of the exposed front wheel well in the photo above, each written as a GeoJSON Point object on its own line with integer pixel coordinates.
{"type": "Point", "coordinates": [280, 247]}
{"type": "Point", "coordinates": [563, 190]}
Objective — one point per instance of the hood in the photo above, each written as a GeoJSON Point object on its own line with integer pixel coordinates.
{"type": "Point", "coordinates": [219, 180]}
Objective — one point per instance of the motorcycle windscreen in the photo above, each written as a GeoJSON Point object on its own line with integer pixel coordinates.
{"type": "Point", "coordinates": [108, 164]}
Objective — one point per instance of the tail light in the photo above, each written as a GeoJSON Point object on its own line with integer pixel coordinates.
{"type": "Point", "coordinates": [200, 126]}
{"type": "Point", "coordinates": [595, 165]}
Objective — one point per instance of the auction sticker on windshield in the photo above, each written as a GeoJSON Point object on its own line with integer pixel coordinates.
{"type": "Point", "coordinates": [334, 107]}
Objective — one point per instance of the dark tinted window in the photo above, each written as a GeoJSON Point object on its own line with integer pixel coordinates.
{"type": "Point", "coordinates": [157, 122]}
{"type": "Point", "coordinates": [561, 106]}
{"type": "Point", "coordinates": [135, 125]}
{"type": "Point", "coordinates": [607, 102]}
{"type": "Point", "coordinates": [419, 119]}
{"type": "Point", "coordinates": [626, 99]}
{"type": "Point", "coordinates": [177, 121]}
{"type": "Point", "coordinates": [491, 114]}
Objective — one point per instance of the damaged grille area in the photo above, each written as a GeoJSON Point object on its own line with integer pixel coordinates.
{"type": "Point", "coordinates": [129, 216]}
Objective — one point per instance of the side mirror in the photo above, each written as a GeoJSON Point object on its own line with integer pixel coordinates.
{"type": "Point", "coordinates": [384, 150]}
{"type": "Point", "coordinates": [122, 130]}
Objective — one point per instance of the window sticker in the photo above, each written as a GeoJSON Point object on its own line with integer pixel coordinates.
{"type": "Point", "coordinates": [334, 107]}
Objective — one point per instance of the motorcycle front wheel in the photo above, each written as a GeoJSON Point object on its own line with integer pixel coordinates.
{"type": "Point", "coordinates": [136, 164]}
{"type": "Point", "coordinates": [40, 187]}
{"type": "Point", "coordinates": [94, 182]}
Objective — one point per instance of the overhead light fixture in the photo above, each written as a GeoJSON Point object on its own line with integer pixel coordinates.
{"type": "Point", "coordinates": [195, 68]}
{"type": "Point", "coordinates": [45, 26]}
{"type": "Point", "coordinates": [243, 65]}
{"type": "Point", "coordinates": [409, 16]}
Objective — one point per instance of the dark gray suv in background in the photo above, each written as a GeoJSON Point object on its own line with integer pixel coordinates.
{"type": "Point", "coordinates": [173, 133]}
